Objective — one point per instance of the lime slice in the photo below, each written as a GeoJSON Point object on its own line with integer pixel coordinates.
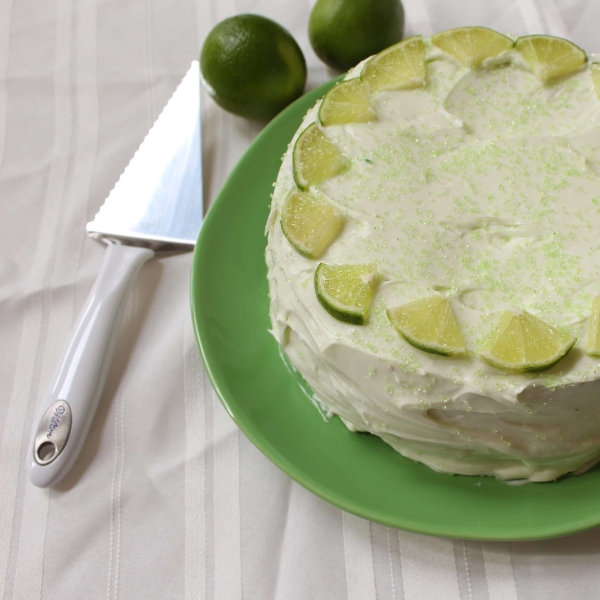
{"type": "Point", "coordinates": [595, 69]}
{"type": "Point", "coordinates": [347, 102]}
{"type": "Point", "coordinates": [400, 66]}
{"type": "Point", "coordinates": [346, 291]}
{"type": "Point", "coordinates": [310, 224]}
{"type": "Point", "coordinates": [550, 56]}
{"type": "Point", "coordinates": [472, 45]}
{"type": "Point", "coordinates": [315, 158]}
{"type": "Point", "coordinates": [430, 325]}
{"type": "Point", "coordinates": [592, 340]}
{"type": "Point", "coordinates": [521, 342]}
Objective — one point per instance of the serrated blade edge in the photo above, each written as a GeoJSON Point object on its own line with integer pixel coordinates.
{"type": "Point", "coordinates": [157, 201]}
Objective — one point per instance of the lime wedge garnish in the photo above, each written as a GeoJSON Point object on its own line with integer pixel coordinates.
{"type": "Point", "coordinates": [521, 342]}
{"type": "Point", "coordinates": [472, 45]}
{"type": "Point", "coordinates": [347, 102]}
{"type": "Point", "coordinates": [309, 223]}
{"type": "Point", "coordinates": [400, 66]}
{"type": "Point", "coordinates": [592, 340]}
{"type": "Point", "coordinates": [315, 158]}
{"type": "Point", "coordinates": [550, 56]}
{"type": "Point", "coordinates": [430, 325]}
{"type": "Point", "coordinates": [346, 291]}
{"type": "Point", "coordinates": [595, 69]}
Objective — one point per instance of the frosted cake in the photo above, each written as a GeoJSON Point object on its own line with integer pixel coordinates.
{"type": "Point", "coordinates": [434, 253]}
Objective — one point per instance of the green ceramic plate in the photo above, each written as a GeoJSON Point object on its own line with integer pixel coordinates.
{"type": "Point", "coordinates": [357, 472]}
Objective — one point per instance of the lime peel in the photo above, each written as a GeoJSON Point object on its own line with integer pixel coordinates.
{"type": "Point", "coordinates": [523, 343]}
{"type": "Point", "coordinates": [346, 291]}
{"type": "Point", "coordinates": [345, 32]}
{"type": "Point", "coordinates": [430, 325]}
{"type": "Point", "coordinates": [252, 67]}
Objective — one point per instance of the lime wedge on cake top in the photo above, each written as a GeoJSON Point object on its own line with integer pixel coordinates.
{"type": "Point", "coordinates": [310, 223]}
{"type": "Point", "coordinates": [472, 45]}
{"type": "Point", "coordinates": [401, 66]}
{"type": "Point", "coordinates": [521, 342]}
{"type": "Point", "coordinates": [550, 57]}
{"type": "Point", "coordinates": [346, 291]}
{"type": "Point", "coordinates": [429, 325]}
{"type": "Point", "coordinates": [346, 102]}
{"type": "Point", "coordinates": [315, 158]}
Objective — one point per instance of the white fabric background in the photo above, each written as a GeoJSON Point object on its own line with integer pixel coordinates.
{"type": "Point", "coordinates": [168, 499]}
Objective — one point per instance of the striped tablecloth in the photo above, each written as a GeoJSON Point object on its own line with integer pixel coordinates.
{"type": "Point", "coordinates": [168, 499]}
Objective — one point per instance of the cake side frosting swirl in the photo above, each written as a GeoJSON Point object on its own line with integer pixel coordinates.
{"type": "Point", "coordinates": [483, 185]}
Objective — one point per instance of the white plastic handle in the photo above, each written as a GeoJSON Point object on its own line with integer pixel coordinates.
{"type": "Point", "coordinates": [68, 409]}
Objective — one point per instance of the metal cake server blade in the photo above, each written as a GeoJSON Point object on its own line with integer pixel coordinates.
{"type": "Point", "coordinates": [155, 205]}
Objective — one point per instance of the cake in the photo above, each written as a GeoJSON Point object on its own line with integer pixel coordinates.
{"type": "Point", "coordinates": [465, 185]}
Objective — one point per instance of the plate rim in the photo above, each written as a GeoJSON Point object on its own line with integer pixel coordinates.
{"type": "Point", "coordinates": [274, 455]}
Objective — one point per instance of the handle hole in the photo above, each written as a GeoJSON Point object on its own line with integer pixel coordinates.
{"type": "Point", "coordinates": [46, 451]}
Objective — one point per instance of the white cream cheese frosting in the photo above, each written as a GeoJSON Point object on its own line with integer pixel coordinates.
{"type": "Point", "coordinates": [484, 185]}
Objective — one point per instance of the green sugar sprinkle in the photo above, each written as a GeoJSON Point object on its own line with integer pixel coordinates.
{"type": "Point", "coordinates": [483, 196]}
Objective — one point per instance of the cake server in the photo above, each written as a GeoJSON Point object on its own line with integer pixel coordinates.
{"type": "Point", "coordinates": [156, 205]}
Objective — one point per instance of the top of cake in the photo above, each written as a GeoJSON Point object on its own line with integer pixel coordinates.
{"type": "Point", "coordinates": [482, 186]}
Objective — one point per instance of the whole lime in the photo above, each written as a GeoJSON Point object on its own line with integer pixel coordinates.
{"type": "Point", "coordinates": [252, 66]}
{"type": "Point", "coordinates": [344, 32]}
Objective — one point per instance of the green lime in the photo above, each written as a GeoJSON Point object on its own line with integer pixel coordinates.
{"type": "Point", "coordinates": [310, 223]}
{"type": "Point", "coordinates": [521, 342]}
{"type": "Point", "coordinates": [430, 325]}
{"type": "Point", "coordinates": [472, 45]}
{"type": "Point", "coordinates": [344, 32]}
{"type": "Point", "coordinates": [252, 66]}
{"type": "Point", "coordinates": [346, 291]}
{"type": "Point", "coordinates": [315, 158]}
{"type": "Point", "coordinates": [550, 57]}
